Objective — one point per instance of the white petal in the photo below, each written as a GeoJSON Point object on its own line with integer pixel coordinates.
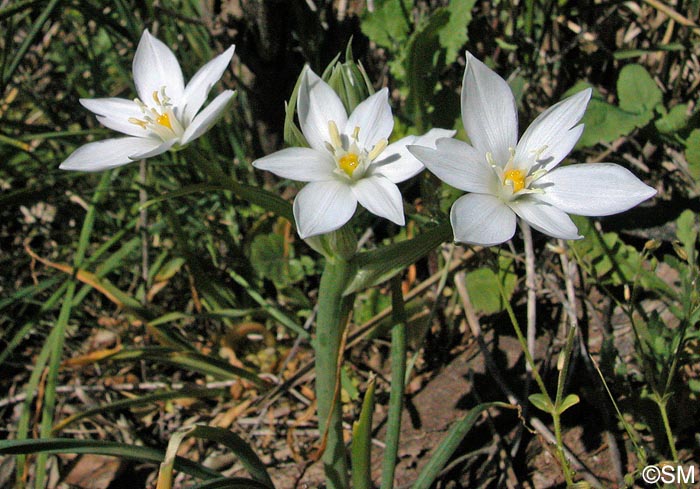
{"type": "Point", "coordinates": [160, 149]}
{"type": "Point", "coordinates": [545, 218]}
{"type": "Point", "coordinates": [554, 133]}
{"type": "Point", "coordinates": [317, 104]}
{"type": "Point", "coordinates": [114, 113]}
{"type": "Point", "coordinates": [398, 164]}
{"type": "Point", "coordinates": [373, 117]}
{"type": "Point", "coordinates": [482, 219]}
{"type": "Point", "coordinates": [322, 207]}
{"type": "Point", "coordinates": [198, 88]}
{"type": "Point", "coordinates": [593, 189]}
{"type": "Point", "coordinates": [459, 165]}
{"type": "Point", "coordinates": [488, 111]}
{"type": "Point", "coordinates": [301, 164]}
{"type": "Point", "coordinates": [110, 153]}
{"type": "Point", "coordinates": [208, 117]}
{"type": "Point", "coordinates": [156, 66]}
{"type": "Point", "coordinates": [381, 197]}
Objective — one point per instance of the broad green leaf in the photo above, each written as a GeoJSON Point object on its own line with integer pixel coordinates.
{"type": "Point", "coordinates": [389, 25]}
{"type": "Point", "coordinates": [637, 91]}
{"type": "Point", "coordinates": [604, 123]}
{"type": "Point", "coordinates": [454, 35]}
{"type": "Point", "coordinates": [484, 290]}
{"type": "Point", "coordinates": [674, 120]}
{"type": "Point", "coordinates": [423, 62]}
{"type": "Point", "coordinates": [687, 232]}
{"type": "Point", "coordinates": [567, 402]}
{"type": "Point", "coordinates": [542, 402]}
{"type": "Point", "coordinates": [692, 153]}
{"type": "Point", "coordinates": [267, 255]}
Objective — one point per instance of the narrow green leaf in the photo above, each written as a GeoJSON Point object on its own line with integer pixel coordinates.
{"type": "Point", "coordinates": [377, 266]}
{"type": "Point", "coordinates": [362, 441]}
{"type": "Point", "coordinates": [27, 42]}
{"type": "Point", "coordinates": [99, 447]}
{"type": "Point", "coordinates": [140, 401]}
{"type": "Point", "coordinates": [448, 446]}
{"type": "Point", "coordinates": [229, 439]}
{"type": "Point", "coordinates": [187, 359]}
{"type": "Point", "coordinates": [231, 483]}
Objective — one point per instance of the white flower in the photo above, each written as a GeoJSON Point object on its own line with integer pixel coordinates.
{"type": "Point", "coordinates": [349, 160]}
{"type": "Point", "coordinates": [164, 115]}
{"type": "Point", "coordinates": [510, 177]}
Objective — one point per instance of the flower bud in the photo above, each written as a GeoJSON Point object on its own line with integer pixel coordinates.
{"type": "Point", "coordinates": [349, 80]}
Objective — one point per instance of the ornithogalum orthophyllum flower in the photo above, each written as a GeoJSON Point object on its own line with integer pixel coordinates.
{"type": "Point", "coordinates": [165, 115]}
{"type": "Point", "coordinates": [349, 159]}
{"type": "Point", "coordinates": [509, 178]}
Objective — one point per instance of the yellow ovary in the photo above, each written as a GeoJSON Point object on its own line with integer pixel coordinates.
{"type": "Point", "coordinates": [348, 163]}
{"type": "Point", "coordinates": [517, 179]}
{"type": "Point", "coordinates": [164, 120]}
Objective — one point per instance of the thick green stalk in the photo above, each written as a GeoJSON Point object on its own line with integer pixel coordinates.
{"type": "Point", "coordinates": [331, 320]}
{"type": "Point", "coordinates": [398, 374]}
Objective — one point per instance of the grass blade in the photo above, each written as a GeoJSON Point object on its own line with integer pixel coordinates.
{"type": "Point", "coordinates": [448, 446]}
{"type": "Point", "coordinates": [98, 447]}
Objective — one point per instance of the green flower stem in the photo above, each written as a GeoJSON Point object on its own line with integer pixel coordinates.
{"type": "Point", "coordinates": [565, 361]}
{"type": "Point", "coordinates": [662, 402]}
{"type": "Point", "coordinates": [331, 320]}
{"type": "Point", "coordinates": [398, 374]}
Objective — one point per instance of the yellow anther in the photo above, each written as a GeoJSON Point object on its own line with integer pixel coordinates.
{"type": "Point", "coordinates": [164, 120]}
{"type": "Point", "coordinates": [356, 133]}
{"type": "Point", "coordinates": [138, 122]}
{"type": "Point", "coordinates": [348, 163]}
{"type": "Point", "coordinates": [335, 135]}
{"type": "Point", "coordinates": [516, 177]}
{"type": "Point", "coordinates": [156, 99]}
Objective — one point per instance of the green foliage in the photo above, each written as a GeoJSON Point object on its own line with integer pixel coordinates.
{"type": "Point", "coordinates": [484, 286]}
{"type": "Point", "coordinates": [274, 260]}
{"type": "Point", "coordinates": [610, 261]}
{"type": "Point", "coordinates": [542, 402]}
{"type": "Point", "coordinates": [423, 49]}
{"type": "Point", "coordinates": [692, 153]}
{"type": "Point", "coordinates": [639, 97]}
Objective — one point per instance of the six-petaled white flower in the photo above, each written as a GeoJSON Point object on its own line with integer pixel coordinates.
{"type": "Point", "coordinates": [349, 159]}
{"type": "Point", "coordinates": [165, 114]}
{"type": "Point", "coordinates": [507, 177]}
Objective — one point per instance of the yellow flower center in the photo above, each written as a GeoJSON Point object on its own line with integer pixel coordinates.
{"type": "Point", "coordinates": [164, 120]}
{"type": "Point", "coordinates": [517, 179]}
{"type": "Point", "coordinates": [159, 118]}
{"type": "Point", "coordinates": [348, 163]}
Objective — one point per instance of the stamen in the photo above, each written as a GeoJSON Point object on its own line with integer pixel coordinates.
{"type": "Point", "coordinates": [335, 135]}
{"type": "Point", "coordinates": [138, 122]}
{"type": "Point", "coordinates": [356, 133]}
{"type": "Point", "coordinates": [348, 163]}
{"type": "Point", "coordinates": [516, 178]}
{"type": "Point", "coordinates": [377, 149]}
{"type": "Point", "coordinates": [155, 98]}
